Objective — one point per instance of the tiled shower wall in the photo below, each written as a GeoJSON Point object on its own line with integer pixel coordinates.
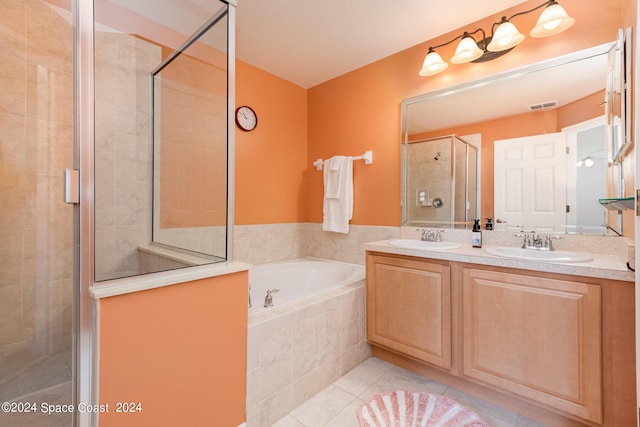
{"type": "Point", "coordinates": [123, 151]}
{"type": "Point", "coordinates": [36, 145]}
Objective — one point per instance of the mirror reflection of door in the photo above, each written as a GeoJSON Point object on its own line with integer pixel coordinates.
{"type": "Point", "coordinates": [530, 181]}
{"type": "Point", "coordinates": [587, 175]}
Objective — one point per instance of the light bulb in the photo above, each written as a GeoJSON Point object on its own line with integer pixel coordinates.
{"type": "Point", "coordinates": [553, 20]}
{"type": "Point", "coordinates": [466, 51]}
{"type": "Point", "coordinates": [505, 37]}
{"type": "Point", "coordinates": [433, 64]}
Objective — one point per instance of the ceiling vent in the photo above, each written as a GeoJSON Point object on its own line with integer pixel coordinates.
{"type": "Point", "coordinates": [543, 105]}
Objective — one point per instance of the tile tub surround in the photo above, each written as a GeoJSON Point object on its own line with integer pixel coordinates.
{"type": "Point", "coordinates": [262, 243]}
{"type": "Point", "coordinates": [296, 350]}
{"type": "Point", "coordinates": [345, 247]}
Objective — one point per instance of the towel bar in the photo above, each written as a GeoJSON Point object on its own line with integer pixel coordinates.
{"type": "Point", "coordinates": [367, 157]}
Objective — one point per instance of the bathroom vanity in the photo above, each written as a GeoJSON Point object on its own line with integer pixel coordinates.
{"type": "Point", "coordinates": [552, 341]}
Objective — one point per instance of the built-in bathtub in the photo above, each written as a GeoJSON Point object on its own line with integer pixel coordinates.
{"type": "Point", "coordinates": [313, 334]}
{"type": "Point", "coordinates": [298, 279]}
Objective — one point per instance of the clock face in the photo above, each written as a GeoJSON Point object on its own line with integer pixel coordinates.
{"type": "Point", "coordinates": [246, 118]}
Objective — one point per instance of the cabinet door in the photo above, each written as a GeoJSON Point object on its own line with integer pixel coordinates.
{"type": "Point", "coordinates": [536, 337]}
{"type": "Point", "coordinates": [409, 308]}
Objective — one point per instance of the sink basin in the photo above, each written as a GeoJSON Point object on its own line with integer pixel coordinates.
{"type": "Point", "coordinates": [534, 255]}
{"type": "Point", "coordinates": [420, 244]}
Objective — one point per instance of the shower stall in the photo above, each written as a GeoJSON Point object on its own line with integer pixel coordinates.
{"type": "Point", "coordinates": [133, 98]}
{"type": "Point", "coordinates": [37, 227]}
{"type": "Point", "coordinates": [440, 179]}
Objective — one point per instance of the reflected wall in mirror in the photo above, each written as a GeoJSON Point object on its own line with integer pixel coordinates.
{"type": "Point", "coordinates": [564, 96]}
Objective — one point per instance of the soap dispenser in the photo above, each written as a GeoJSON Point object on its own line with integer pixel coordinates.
{"type": "Point", "coordinates": [476, 234]}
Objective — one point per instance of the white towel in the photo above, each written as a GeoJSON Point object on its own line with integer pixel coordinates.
{"type": "Point", "coordinates": [337, 207]}
{"type": "Point", "coordinates": [333, 176]}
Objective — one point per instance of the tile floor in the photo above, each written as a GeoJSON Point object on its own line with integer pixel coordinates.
{"type": "Point", "coordinates": [56, 395]}
{"type": "Point", "coordinates": [336, 405]}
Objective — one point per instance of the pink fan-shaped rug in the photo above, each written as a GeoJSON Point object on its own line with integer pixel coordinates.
{"type": "Point", "coordinates": [402, 408]}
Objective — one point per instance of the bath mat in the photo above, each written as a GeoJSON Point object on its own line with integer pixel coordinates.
{"type": "Point", "coordinates": [402, 408]}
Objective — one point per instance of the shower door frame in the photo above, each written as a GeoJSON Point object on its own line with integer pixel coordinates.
{"type": "Point", "coordinates": [85, 385]}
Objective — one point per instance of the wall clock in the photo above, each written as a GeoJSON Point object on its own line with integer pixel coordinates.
{"type": "Point", "coordinates": [246, 118]}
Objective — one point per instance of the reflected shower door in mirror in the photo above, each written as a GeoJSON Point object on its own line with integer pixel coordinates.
{"type": "Point", "coordinates": [161, 140]}
{"type": "Point", "coordinates": [441, 182]}
{"type": "Point", "coordinates": [551, 97]}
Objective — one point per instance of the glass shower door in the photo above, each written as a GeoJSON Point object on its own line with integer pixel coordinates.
{"type": "Point", "coordinates": [36, 226]}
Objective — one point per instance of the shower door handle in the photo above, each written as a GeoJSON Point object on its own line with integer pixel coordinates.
{"type": "Point", "coordinates": [72, 186]}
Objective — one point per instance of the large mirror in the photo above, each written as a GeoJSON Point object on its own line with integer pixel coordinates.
{"type": "Point", "coordinates": [542, 135]}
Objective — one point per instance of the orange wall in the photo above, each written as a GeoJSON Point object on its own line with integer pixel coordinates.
{"type": "Point", "coordinates": [361, 110]}
{"type": "Point", "coordinates": [181, 351]}
{"type": "Point", "coordinates": [271, 161]}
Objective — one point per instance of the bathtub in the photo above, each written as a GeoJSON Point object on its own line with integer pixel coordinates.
{"type": "Point", "coordinates": [299, 278]}
{"type": "Point", "coordinates": [313, 334]}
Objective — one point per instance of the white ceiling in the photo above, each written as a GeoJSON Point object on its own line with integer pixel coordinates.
{"type": "Point", "coordinates": [308, 42]}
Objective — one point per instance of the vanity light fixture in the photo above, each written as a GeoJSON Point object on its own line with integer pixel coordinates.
{"type": "Point", "coordinates": [504, 37]}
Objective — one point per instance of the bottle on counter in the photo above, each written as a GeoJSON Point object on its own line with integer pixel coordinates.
{"type": "Point", "coordinates": [476, 234]}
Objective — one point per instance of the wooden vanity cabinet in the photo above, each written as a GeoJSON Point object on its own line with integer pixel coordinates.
{"type": "Point", "coordinates": [554, 347]}
{"type": "Point", "coordinates": [409, 308]}
{"type": "Point", "coordinates": [536, 337]}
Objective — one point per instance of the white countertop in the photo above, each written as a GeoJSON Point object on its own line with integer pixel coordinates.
{"type": "Point", "coordinates": [602, 266]}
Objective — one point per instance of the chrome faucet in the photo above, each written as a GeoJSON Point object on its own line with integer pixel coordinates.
{"type": "Point", "coordinates": [268, 299]}
{"type": "Point", "coordinates": [535, 241]}
{"type": "Point", "coordinates": [250, 295]}
{"type": "Point", "coordinates": [547, 243]}
{"type": "Point", "coordinates": [431, 235]}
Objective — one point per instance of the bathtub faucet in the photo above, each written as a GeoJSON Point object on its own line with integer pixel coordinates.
{"type": "Point", "coordinates": [268, 299]}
